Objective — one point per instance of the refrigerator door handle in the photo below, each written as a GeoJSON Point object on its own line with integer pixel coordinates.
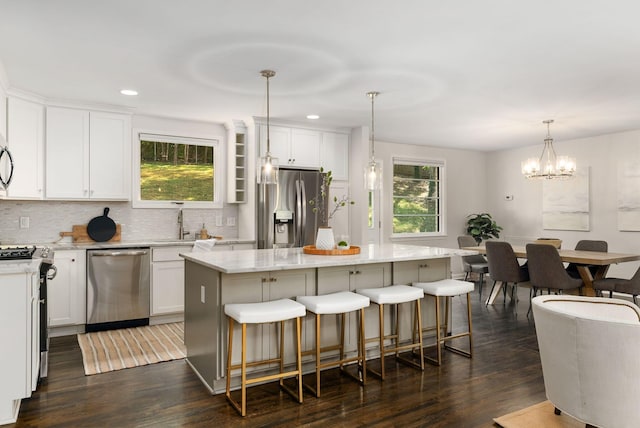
{"type": "Point", "coordinates": [303, 190]}
{"type": "Point", "coordinates": [297, 235]}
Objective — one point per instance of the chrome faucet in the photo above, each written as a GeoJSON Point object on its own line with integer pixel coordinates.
{"type": "Point", "coordinates": [181, 231]}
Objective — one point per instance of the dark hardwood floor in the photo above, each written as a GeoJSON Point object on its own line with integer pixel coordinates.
{"type": "Point", "coordinates": [504, 375]}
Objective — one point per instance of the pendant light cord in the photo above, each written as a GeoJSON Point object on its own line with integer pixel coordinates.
{"type": "Point", "coordinates": [267, 74]}
{"type": "Point", "coordinates": [372, 95]}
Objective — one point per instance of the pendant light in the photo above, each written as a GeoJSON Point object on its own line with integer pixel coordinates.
{"type": "Point", "coordinates": [267, 164]}
{"type": "Point", "coordinates": [372, 172]}
{"type": "Point", "coordinates": [549, 165]}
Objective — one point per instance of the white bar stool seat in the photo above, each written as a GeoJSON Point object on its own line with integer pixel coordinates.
{"type": "Point", "coordinates": [447, 288]}
{"type": "Point", "coordinates": [259, 313]}
{"type": "Point", "coordinates": [264, 312]}
{"type": "Point", "coordinates": [394, 295]}
{"type": "Point", "coordinates": [339, 303]}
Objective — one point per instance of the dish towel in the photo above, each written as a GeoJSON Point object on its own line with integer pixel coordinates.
{"type": "Point", "coordinates": [203, 245]}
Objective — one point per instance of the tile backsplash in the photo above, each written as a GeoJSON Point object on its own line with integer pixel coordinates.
{"type": "Point", "coordinates": [48, 218]}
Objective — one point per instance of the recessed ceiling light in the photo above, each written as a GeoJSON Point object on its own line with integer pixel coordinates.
{"type": "Point", "coordinates": [129, 92]}
{"type": "Point", "coordinates": [313, 116]}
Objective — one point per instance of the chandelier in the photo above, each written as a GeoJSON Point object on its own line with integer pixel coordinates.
{"type": "Point", "coordinates": [372, 171]}
{"type": "Point", "coordinates": [267, 164]}
{"type": "Point", "coordinates": [549, 165]}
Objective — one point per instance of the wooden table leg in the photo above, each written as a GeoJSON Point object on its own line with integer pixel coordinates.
{"type": "Point", "coordinates": [588, 279]}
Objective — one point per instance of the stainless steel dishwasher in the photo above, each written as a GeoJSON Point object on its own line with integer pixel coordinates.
{"type": "Point", "coordinates": [118, 284]}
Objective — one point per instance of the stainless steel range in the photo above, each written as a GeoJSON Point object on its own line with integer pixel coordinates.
{"type": "Point", "coordinates": [47, 271]}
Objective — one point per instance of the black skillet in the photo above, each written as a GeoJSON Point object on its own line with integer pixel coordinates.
{"type": "Point", "coordinates": [101, 228]}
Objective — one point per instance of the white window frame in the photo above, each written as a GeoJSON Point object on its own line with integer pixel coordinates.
{"type": "Point", "coordinates": [441, 164]}
{"type": "Point", "coordinates": [218, 163]}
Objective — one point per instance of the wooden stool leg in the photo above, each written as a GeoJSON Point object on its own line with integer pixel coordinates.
{"type": "Point", "coordinates": [393, 328]}
{"type": "Point", "coordinates": [419, 318]}
{"type": "Point", "coordinates": [381, 325]}
{"type": "Point", "coordinates": [281, 354]}
{"type": "Point", "coordinates": [299, 359]}
{"type": "Point", "coordinates": [318, 355]}
{"type": "Point", "coordinates": [229, 351]}
{"type": "Point", "coordinates": [362, 351]}
{"type": "Point", "coordinates": [438, 330]}
{"type": "Point", "coordinates": [447, 315]}
{"type": "Point", "coordinates": [469, 324]}
{"type": "Point", "coordinates": [244, 370]}
{"type": "Point", "coordinates": [342, 328]}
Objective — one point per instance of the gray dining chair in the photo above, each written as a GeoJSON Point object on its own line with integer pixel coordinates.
{"type": "Point", "coordinates": [587, 245]}
{"type": "Point", "coordinates": [619, 285]}
{"type": "Point", "coordinates": [546, 271]}
{"type": "Point", "coordinates": [473, 264]}
{"type": "Point", "coordinates": [504, 268]}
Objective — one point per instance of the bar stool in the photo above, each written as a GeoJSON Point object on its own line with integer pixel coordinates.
{"type": "Point", "coordinates": [447, 288]}
{"type": "Point", "coordinates": [261, 313]}
{"type": "Point", "coordinates": [394, 295]}
{"type": "Point", "coordinates": [337, 304]}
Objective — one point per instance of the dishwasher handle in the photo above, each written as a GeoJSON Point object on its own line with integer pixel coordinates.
{"type": "Point", "coordinates": [119, 253]}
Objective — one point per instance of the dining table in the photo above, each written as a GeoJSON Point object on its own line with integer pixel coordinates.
{"type": "Point", "coordinates": [583, 259]}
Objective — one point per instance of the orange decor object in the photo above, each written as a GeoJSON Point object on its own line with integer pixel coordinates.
{"type": "Point", "coordinates": [311, 249]}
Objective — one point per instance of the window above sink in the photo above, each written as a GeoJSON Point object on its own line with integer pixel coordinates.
{"type": "Point", "coordinates": [171, 168]}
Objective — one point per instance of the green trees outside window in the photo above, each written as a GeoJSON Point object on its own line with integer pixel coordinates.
{"type": "Point", "coordinates": [171, 171]}
{"type": "Point", "coordinates": [417, 197]}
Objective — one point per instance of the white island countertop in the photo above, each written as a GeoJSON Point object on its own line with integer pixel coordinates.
{"type": "Point", "coordinates": [243, 261]}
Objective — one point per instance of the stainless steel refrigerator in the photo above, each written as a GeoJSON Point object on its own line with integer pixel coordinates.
{"type": "Point", "coordinates": [285, 217]}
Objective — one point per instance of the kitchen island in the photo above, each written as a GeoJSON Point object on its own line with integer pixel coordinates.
{"type": "Point", "coordinates": [214, 279]}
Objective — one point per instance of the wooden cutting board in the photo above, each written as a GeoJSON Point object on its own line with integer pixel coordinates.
{"type": "Point", "coordinates": [79, 234]}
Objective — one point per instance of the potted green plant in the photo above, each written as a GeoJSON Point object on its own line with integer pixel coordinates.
{"type": "Point", "coordinates": [482, 226]}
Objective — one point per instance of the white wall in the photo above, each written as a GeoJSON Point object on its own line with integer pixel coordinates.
{"type": "Point", "coordinates": [522, 217]}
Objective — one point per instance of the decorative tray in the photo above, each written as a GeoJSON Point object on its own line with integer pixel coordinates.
{"type": "Point", "coordinates": [311, 249]}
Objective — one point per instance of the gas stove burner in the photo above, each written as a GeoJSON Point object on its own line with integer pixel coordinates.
{"type": "Point", "coordinates": [16, 253]}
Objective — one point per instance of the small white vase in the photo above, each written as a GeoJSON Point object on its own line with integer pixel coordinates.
{"type": "Point", "coordinates": [325, 239]}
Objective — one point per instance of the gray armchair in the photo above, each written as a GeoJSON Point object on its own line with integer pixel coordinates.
{"type": "Point", "coordinates": [504, 267]}
{"type": "Point", "coordinates": [473, 264]}
{"type": "Point", "coordinates": [587, 245]}
{"type": "Point", "coordinates": [619, 285]}
{"type": "Point", "coordinates": [546, 270]}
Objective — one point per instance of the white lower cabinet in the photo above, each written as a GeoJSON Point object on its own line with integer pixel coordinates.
{"type": "Point", "coordinates": [19, 335]}
{"type": "Point", "coordinates": [66, 293]}
{"type": "Point", "coordinates": [167, 279]}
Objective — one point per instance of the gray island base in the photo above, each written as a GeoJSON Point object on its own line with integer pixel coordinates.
{"type": "Point", "coordinates": [216, 278]}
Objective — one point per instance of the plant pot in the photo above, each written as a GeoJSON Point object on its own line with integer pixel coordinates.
{"type": "Point", "coordinates": [325, 239]}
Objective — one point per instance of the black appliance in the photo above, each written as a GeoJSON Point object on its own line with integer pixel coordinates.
{"type": "Point", "coordinates": [47, 271]}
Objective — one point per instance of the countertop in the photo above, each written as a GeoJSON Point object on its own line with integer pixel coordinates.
{"type": "Point", "coordinates": [60, 246]}
{"type": "Point", "coordinates": [243, 261]}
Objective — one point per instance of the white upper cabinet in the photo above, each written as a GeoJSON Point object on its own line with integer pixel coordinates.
{"type": "Point", "coordinates": [334, 154]}
{"type": "Point", "coordinates": [88, 154]}
{"type": "Point", "coordinates": [25, 139]}
{"type": "Point", "coordinates": [67, 153]}
{"type": "Point", "coordinates": [305, 148]}
{"type": "Point", "coordinates": [110, 155]}
{"type": "Point", "coordinates": [293, 147]}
